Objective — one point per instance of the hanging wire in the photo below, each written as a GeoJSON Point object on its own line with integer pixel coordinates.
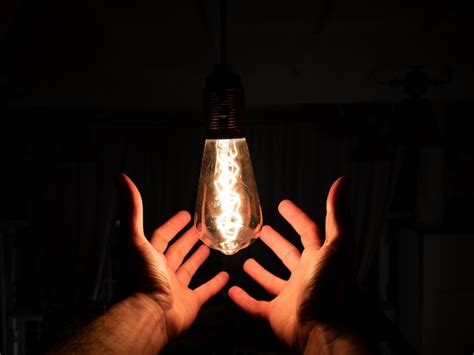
{"type": "Point", "coordinates": [223, 18]}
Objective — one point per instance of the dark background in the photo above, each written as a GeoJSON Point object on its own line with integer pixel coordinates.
{"type": "Point", "coordinates": [380, 91]}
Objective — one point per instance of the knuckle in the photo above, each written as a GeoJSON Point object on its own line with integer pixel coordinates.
{"type": "Point", "coordinates": [309, 227]}
{"type": "Point", "coordinates": [291, 254]}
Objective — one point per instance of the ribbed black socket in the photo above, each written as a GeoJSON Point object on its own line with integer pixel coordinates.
{"type": "Point", "coordinates": [224, 104]}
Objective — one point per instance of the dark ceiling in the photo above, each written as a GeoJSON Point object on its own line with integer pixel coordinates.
{"type": "Point", "coordinates": [154, 54]}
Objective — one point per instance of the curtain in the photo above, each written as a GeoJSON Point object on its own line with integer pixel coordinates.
{"type": "Point", "coordinates": [72, 202]}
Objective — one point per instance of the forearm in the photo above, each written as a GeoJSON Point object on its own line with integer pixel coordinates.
{"type": "Point", "coordinates": [135, 325]}
{"type": "Point", "coordinates": [323, 341]}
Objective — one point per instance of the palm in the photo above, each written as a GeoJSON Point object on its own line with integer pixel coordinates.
{"type": "Point", "coordinates": [317, 275]}
{"type": "Point", "coordinates": [162, 274]}
{"type": "Point", "coordinates": [283, 309]}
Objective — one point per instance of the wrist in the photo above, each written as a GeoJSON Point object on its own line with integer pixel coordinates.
{"type": "Point", "coordinates": [324, 339]}
{"type": "Point", "coordinates": [153, 318]}
{"type": "Point", "coordinates": [321, 336]}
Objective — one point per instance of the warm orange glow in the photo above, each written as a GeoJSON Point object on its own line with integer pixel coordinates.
{"type": "Point", "coordinates": [228, 215]}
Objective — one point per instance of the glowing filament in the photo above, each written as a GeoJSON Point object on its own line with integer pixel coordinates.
{"type": "Point", "coordinates": [229, 221]}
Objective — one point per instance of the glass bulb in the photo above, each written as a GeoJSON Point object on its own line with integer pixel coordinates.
{"type": "Point", "coordinates": [228, 214]}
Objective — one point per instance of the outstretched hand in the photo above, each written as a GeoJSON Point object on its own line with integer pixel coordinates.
{"type": "Point", "coordinates": [164, 278]}
{"type": "Point", "coordinates": [314, 298]}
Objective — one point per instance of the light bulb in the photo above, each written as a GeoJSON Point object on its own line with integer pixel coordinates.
{"type": "Point", "coordinates": [228, 216]}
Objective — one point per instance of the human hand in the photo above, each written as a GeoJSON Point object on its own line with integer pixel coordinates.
{"type": "Point", "coordinates": [314, 301]}
{"type": "Point", "coordinates": [164, 278]}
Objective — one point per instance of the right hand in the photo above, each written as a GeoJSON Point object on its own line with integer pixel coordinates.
{"type": "Point", "coordinates": [163, 273]}
{"type": "Point", "coordinates": [313, 301]}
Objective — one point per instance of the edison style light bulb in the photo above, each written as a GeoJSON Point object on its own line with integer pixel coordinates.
{"type": "Point", "coordinates": [228, 216]}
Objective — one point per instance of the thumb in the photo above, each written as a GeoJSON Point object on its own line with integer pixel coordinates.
{"type": "Point", "coordinates": [130, 209]}
{"type": "Point", "coordinates": [337, 212]}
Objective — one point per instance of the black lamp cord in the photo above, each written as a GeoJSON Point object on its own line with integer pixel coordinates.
{"type": "Point", "coordinates": [223, 19]}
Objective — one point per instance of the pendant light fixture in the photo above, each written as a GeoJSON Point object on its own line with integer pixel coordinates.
{"type": "Point", "coordinates": [228, 216]}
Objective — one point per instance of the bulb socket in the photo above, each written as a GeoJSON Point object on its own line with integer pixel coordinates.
{"type": "Point", "coordinates": [224, 104]}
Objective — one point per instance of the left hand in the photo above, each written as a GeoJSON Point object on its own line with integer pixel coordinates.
{"type": "Point", "coordinates": [315, 298]}
{"type": "Point", "coordinates": [164, 278]}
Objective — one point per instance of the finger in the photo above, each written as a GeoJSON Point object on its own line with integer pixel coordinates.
{"type": "Point", "coordinates": [211, 287]}
{"type": "Point", "coordinates": [131, 209]}
{"type": "Point", "coordinates": [302, 223]}
{"type": "Point", "coordinates": [337, 211]}
{"type": "Point", "coordinates": [180, 248]}
{"type": "Point", "coordinates": [266, 279]}
{"type": "Point", "coordinates": [186, 272]}
{"type": "Point", "coordinates": [163, 234]}
{"type": "Point", "coordinates": [286, 251]}
{"type": "Point", "coordinates": [247, 303]}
